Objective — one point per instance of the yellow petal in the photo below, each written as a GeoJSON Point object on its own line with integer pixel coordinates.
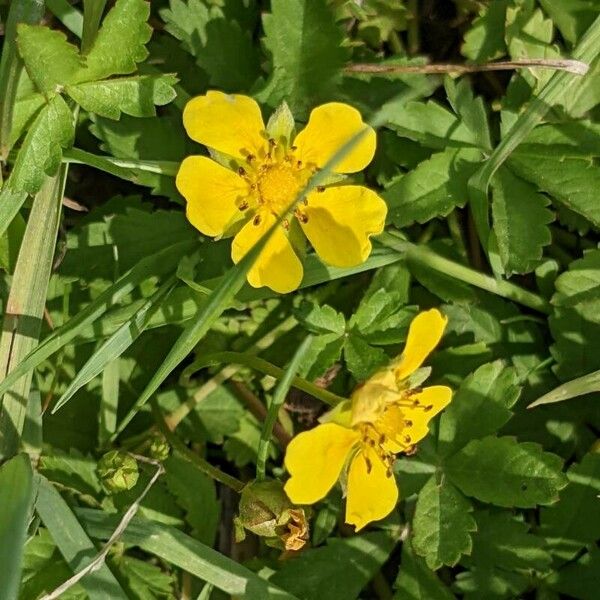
{"type": "Point", "coordinates": [314, 459]}
{"type": "Point", "coordinates": [213, 194]}
{"type": "Point", "coordinates": [372, 492]}
{"type": "Point", "coordinates": [329, 127]}
{"type": "Point", "coordinates": [277, 266]}
{"type": "Point", "coordinates": [340, 221]}
{"type": "Point", "coordinates": [431, 400]}
{"type": "Point", "coordinates": [424, 335]}
{"type": "Point", "coordinates": [229, 123]}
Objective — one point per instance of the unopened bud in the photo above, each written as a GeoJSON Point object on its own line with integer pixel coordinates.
{"type": "Point", "coordinates": [117, 471]}
{"type": "Point", "coordinates": [159, 448]}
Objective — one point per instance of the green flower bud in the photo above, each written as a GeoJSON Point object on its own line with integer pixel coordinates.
{"type": "Point", "coordinates": [159, 448]}
{"type": "Point", "coordinates": [117, 471]}
{"type": "Point", "coordinates": [266, 511]}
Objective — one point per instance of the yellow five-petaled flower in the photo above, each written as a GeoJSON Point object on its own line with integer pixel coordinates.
{"type": "Point", "coordinates": [259, 173]}
{"type": "Point", "coordinates": [357, 441]}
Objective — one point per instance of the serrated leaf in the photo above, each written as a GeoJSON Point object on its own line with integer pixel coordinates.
{"type": "Point", "coordinates": [41, 151]}
{"type": "Point", "coordinates": [479, 407]}
{"type": "Point", "coordinates": [485, 40]}
{"type": "Point", "coordinates": [73, 470]}
{"type": "Point", "coordinates": [307, 54]}
{"type": "Point", "coordinates": [187, 22]}
{"type": "Point", "coordinates": [442, 523]}
{"type": "Point", "coordinates": [50, 60]}
{"type": "Point", "coordinates": [430, 124]}
{"type": "Point", "coordinates": [120, 43]}
{"type": "Point", "coordinates": [575, 519]}
{"type": "Point", "coordinates": [575, 320]}
{"type": "Point", "coordinates": [321, 319]}
{"type": "Point", "coordinates": [523, 474]}
{"type": "Point", "coordinates": [362, 359]}
{"type": "Point", "coordinates": [338, 571]}
{"type": "Point", "coordinates": [144, 580]}
{"type": "Point", "coordinates": [572, 18]}
{"type": "Point", "coordinates": [436, 187]}
{"type": "Point", "coordinates": [570, 178]}
{"type": "Point", "coordinates": [416, 581]}
{"type": "Point", "coordinates": [196, 494]}
{"type": "Point", "coordinates": [135, 96]}
{"type": "Point", "coordinates": [520, 222]}
{"type": "Point", "coordinates": [325, 351]}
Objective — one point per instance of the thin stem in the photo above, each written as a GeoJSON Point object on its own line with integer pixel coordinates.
{"type": "Point", "coordinates": [571, 66]}
{"type": "Point", "coordinates": [278, 398]}
{"type": "Point", "coordinates": [203, 465]}
{"type": "Point", "coordinates": [428, 258]}
{"type": "Point", "coordinates": [263, 366]}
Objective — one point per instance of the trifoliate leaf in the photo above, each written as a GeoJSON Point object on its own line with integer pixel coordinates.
{"type": "Point", "coordinates": [320, 319]}
{"type": "Point", "coordinates": [363, 359]}
{"type": "Point", "coordinates": [520, 222]}
{"type": "Point", "coordinates": [524, 475]}
{"type": "Point", "coordinates": [187, 22]}
{"type": "Point", "coordinates": [307, 56]}
{"type": "Point", "coordinates": [575, 321]}
{"type": "Point", "coordinates": [433, 189]}
{"type": "Point", "coordinates": [479, 407]}
{"type": "Point", "coordinates": [485, 40]}
{"type": "Point", "coordinates": [430, 124]}
{"type": "Point", "coordinates": [50, 60]}
{"type": "Point", "coordinates": [135, 96]}
{"type": "Point", "coordinates": [416, 581]}
{"type": "Point", "coordinates": [325, 351]}
{"type": "Point", "coordinates": [41, 151]}
{"type": "Point", "coordinates": [442, 523]}
{"type": "Point", "coordinates": [575, 520]}
{"type": "Point", "coordinates": [25, 111]}
{"type": "Point", "coordinates": [120, 43]}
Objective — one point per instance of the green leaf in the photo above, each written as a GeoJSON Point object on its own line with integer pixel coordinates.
{"type": "Point", "coordinates": [586, 384]}
{"type": "Point", "coordinates": [479, 407]}
{"type": "Point", "coordinates": [579, 579]}
{"type": "Point", "coordinates": [524, 475]}
{"type": "Point", "coordinates": [320, 319]}
{"type": "Point", "coordinates": [120, 43]}
{"type": "Point", "coordinates": [575, 520]}
{"type": "Point", "coordinates": [324, 352]}
{"type": "Point", "coordinates": [575, 322]}
{"type": "Point", "coordinates": [362, 359]}
{"type": "Point", "coordinates": [73, 470]}
{"type": "Point", "coordinates": [305, 45]}
{"type": "Point", "coordinates": [179, 549]}
{"type": "Point", "coordinates": [187, 22]}
{"type": "Point", "coordinates": [572, 18]}
{"type": "Point", "coordinates": [435, 188]}
{"type": "Point", "coordinates": [442, 523]}
{"type": "Point", "coordinates": [337, 571]}
{"type": "Point", "coordinates": [17, 496]}
{"type": "Point", "coordinates": [430, 124]}
{"type": "Point", "coordinates": [416, 581]}
{"type": "Point", "coordinates": [196, 494]}
{"type": "Point", "coordinates": [50, 60]}
{"type": "Point", "coordinates": [135, 96]}
{"type": "Point", "coordinates": [41, 152]}
{"type": "Point", "coordinates": [73, 543]}
{"type": "Point", "coordinates": [144, 580]}
{"type": "Point", "coordinates": [520, 222]}
{"type": "Point", "coordinates": [485, 40]}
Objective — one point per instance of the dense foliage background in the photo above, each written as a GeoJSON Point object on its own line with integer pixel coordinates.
{"type": "Point", "coordinates": [147, 330]}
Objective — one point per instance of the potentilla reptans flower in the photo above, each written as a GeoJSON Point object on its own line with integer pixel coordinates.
{"type": "Point", "coordinates": [258, 172]}
{"type": "Point", "coordinates": [358, 440]}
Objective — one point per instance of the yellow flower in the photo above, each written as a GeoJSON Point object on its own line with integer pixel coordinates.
{"type": "Point", "coordinates": [265, 171]}
{"type": "Point", "coordinates": [358, 440]}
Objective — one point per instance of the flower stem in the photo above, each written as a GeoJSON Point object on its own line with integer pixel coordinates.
{"type": "Point", "coordinates": [428, 258]}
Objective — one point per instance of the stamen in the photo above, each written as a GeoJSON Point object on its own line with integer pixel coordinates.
{"type": "Point", "coordinates": [407, 439]}
{"type": "Point", "coordinates": [320, 188]}
{"type": "Point", "coordinates": [299, 164]}
{"type": "Point", "coordinates": [293, 147]}
{"type": "Point", "coordinates": [286, 224]}
{"type": "Point", "coordinates": [428, 407]}
{"type": "Point", "coordinates": [369, 465]}
{"type": "Point", "coordinates": [388, 472]}
{"type": "Point", "coordinates": [272, 142]}
{"type": "Point", "coordinates": [305, 201]}
{"type": "Point", "coordinates": [256, 220]}
{"type": "Point", "coordinates": [302, 217]}
{"type": "Point", "coordinates": [408, 423]}
{"type": "Point", "coordinates": [382, 438]}
{"type": "Point", "coordinates": [250, 158]}
{"type": "Point", "coordinates": [243, 206]}
{"type": "Point", "coordinates": [241, 171]}
{"type": "Point", "coordinates": [411, 450]}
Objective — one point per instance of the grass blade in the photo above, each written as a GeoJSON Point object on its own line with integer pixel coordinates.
{"type": "Point", "coordinates": [587, 384]}
{"type": "Point", "coordinates": [17, 494]}
{"type": "Point", "coordinates": [117, 343]}
{"type": "Point", "coordinates": [283, 387]}
{"type": "Point", "coordinates": [179, 549]}
{"type": "Point", "coordinates": [156, 265]}
{"type": "Point", "coordinates": [74, 544]}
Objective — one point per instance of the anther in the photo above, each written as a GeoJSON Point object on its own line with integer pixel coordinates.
{"type": "Point", "coordinates": [305, 201]}
{"type": "Point", "coordinates": [241, 171]}
{"type": "Point", "coordinates": [250, 158]}
{"type": "Point", "coordinates": [293, 147]}
{"type": "Point", "coordinates": [407, 439]}
{"type": "Point", "coordinates": [408, 423]}
{"type": "Point", "coordinates": [272, 142]}
{"type": "Point", "coordinates": [243, 206]}
{"type": "Point", "coordinates": [382, 439]}
{"type": "Point", "coordinates": [416, 403]}
{"type": "Point", "coordinates": [320, 188]}
{"type": "Point", "coordinates": [302, 217]}
{"type": "Point", "coordinates": [299, 164]}
{"type": "Point", "coordinates": [286, 224]}
{"type": "Point", "coordinates": [369, 465]}
{"type": "Point", "coordinates": [428, 407]}
{"type": "Point", "coordinates": [411, 450]}
{"type": "Point", "coordinates": [388, 472]}
{"type": "Point", "coordinates": [256, 220]}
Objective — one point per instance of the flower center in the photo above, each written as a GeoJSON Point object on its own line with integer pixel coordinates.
{"type": "Point", "coordinates": [278, 185]}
